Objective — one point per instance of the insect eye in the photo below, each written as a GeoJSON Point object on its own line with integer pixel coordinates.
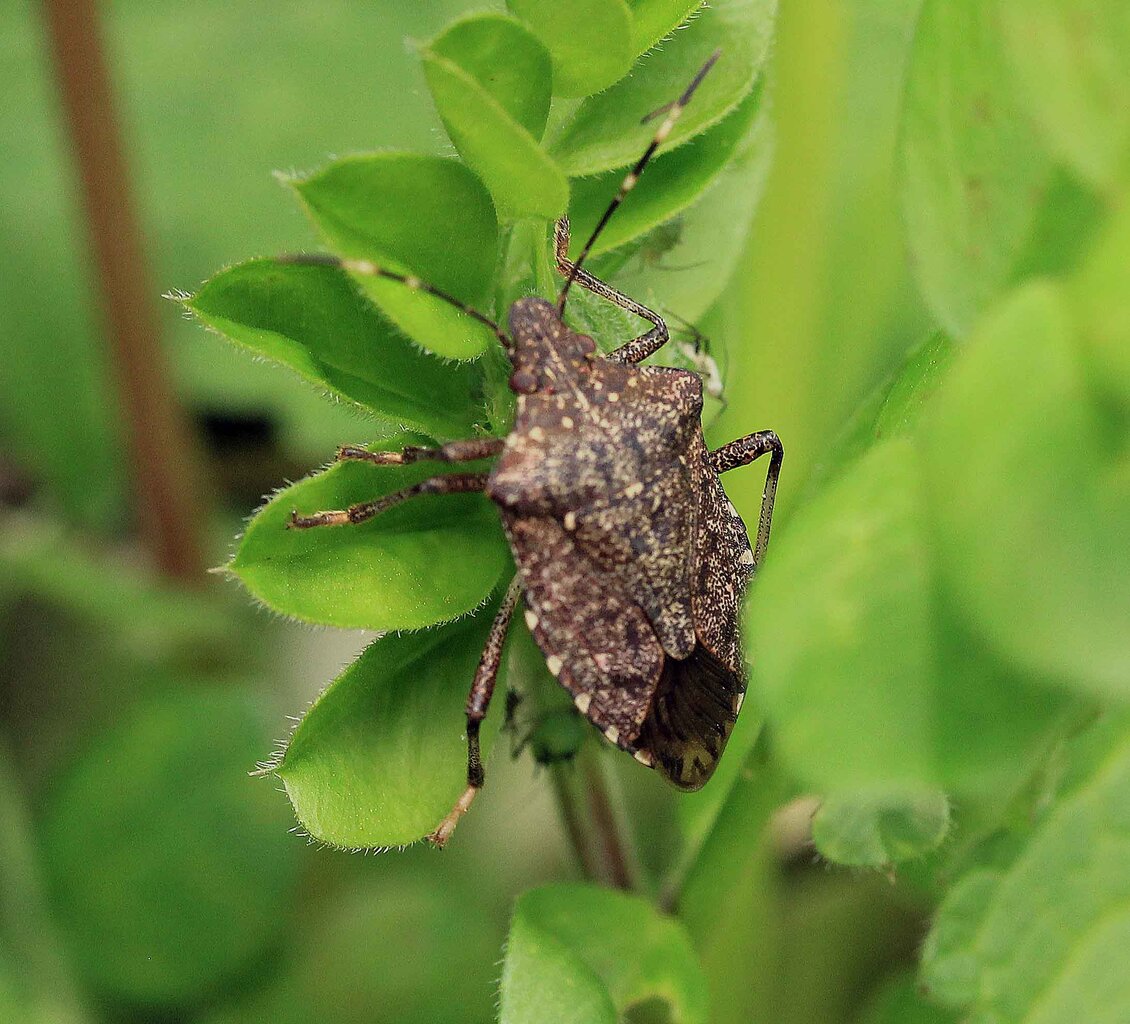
{"type": "Point", "coordinates": [586, 344]}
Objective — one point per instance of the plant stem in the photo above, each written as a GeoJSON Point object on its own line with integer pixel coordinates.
{"type": "Point", "coordinates": [593, 821]}
{"type": "Point", "coordinates": [166, 491]}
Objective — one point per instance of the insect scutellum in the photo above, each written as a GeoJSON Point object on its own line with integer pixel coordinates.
{"type": "Point", "coordinates": [631, 560]}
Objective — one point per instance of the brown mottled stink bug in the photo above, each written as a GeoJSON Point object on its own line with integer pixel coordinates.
{"type": "Point", "coordinates": [632, 561]}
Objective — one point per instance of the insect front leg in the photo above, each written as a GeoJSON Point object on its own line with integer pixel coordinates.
{"type": "Point", "coordinates": [452, 483]}
{"type": "Point", "coordinates": [742, 452]}
{"type": "Point", "coordinates": [478, 701]}
{"type": "Point", "coordinates": [639, 348]}
{"type": "Point", "coordinates": [454, 451]}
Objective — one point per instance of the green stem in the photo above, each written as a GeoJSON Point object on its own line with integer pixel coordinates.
{"type": "Point", "coordinates": [594, 822]}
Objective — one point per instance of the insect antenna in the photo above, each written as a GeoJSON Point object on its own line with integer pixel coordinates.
{"type": "Point", "coordinates": [672, 110]}
{"type": "Point", "coordinates": [368, 268]}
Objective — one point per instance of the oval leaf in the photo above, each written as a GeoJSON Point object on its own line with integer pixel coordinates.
{"type": "Point", "coordinates": [313, 320]}
{"type": "Point", "coordinates": [1031, 940]}
{"type": "Point", "coordinates": [672, 183]}
{"type": "Point", "coordinates": [415, 214]}
{"type": "Point", "coordinates": [875, 829]}
{"type": "Point", "coordinates": [654, 19]}
{"type": "Point", "coordinates": [490, 80]}
{"type": "Point", "coordinates": [590, 41]}
{"type": "Point", "coordinates": [1074, 79]}
{"type": "Point", "coordinates": [583, 955]}
{"type": "Point", "coordinates": [1031, 498]}
{"type": "Point", "coordinates": [974, 172]}
{"type": "Point", "coordinates": [381, 756]}
{"type": "Point", "coordinates": [608, 130]}
{"type": "Point", "coordinates": [171, 870]}
{"type": "Point", "coordinates": [427, 560]}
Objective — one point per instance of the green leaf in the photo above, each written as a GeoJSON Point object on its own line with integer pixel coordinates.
{"type": "Point", "coordinates": [878, 828]}
{"type": "Point", "coordinates": [590, 41]}
{"type": "Point", "coordinates": [171, 870]}
{"type": "Point", "coordinates": [415, 214]}
{"type": "Point", "coordinates": [607, 131]}
{"type": "Point", "coordinates": [654, 19]}
{"type": "Point", "coordinates": [312, 320]}
{"type": "Point", "coordinates": [865, 678]}
{"type": "Point", "coordinates": [1031, 498]}
{"type": "Point", "coordinates": [381, 756]}
{"type": "Point", "coordinates": [490, 80]}
{"type": "Point", "coordinates": [582, 955]}
{"type": "Point", "coordinates": [430, 559]}
{"type": "Point", "coordinates": [671, 183]}
{"type": "Point", "coordinates": [1074, 79]}
{"type": "Point", "coordinates": [974, 172]}
{"type": "Point", "coordinates": [1031, 939]}
{"type": "Point", "coordinates": [900, 1002]}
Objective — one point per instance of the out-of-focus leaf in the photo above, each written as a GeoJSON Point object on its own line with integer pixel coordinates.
{"type": "Point", "coordinates": [427, 560]}
{"type": "Point", "coordinates": [381, 757]}
{"type": "Point", "coordinates": [653, 19]}
{"type": "Point", "coordinates": [1074, 79]}
{"type": "Point", "coordinates": [863, 677]}
{"type": "Point", "coordinates": [608, 130]}
{"type": "Point", "coordinates": [878, 828]}
{"type": "Point", "coordinates": [582, 955]}
{"type": "Point", "coordinates": [1031, 939]}
{"type": "Point", "coordinates": [900, 1002]}
{"type": "Point", "coordinates": [1031, 498]}
{"type": "Point", "coordinates": [414, 214]}
{"type": "Point", "coordinates": [490, 79]}
{"type": "Point", "coordinates": [590, 41]}
{"type": "Point", "coordinates": [312, 320]}
{"type": "Point", "coordinates": [671, 183]}
{"type": "Point", "coordinates": [974, 171]}
{"type": "Point", "coordinates": [341, 970]}
{"type": "Point", "coordinates": [170, 869]}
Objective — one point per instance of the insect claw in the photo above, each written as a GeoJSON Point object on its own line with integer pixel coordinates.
{"type": "Point", "coordinates": [442, 833]}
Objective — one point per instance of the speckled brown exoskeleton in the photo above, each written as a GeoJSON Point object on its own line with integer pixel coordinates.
{"type": "Point", "coordinates": [631, 561]}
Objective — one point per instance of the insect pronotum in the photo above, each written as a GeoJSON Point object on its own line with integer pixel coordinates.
{"type": "Point", "coordinates": [631, 562]}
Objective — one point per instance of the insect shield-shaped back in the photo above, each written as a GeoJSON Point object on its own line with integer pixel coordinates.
{"type": "Point", "coordinates": [632, 560]}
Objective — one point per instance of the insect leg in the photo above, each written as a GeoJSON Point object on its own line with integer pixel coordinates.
{"type": "Point", "coordinates": [742, 452]}
{"type": "Point", "coordinates": [368, 268]}
{"type": "Point", "coordinates": [478, 700]}
{"type": "Point", "coordinates": [636, 350]}
{"type": "Point", "coordinates": [451, 483]}
{"type": "Point", "coordinates": [454, 451]}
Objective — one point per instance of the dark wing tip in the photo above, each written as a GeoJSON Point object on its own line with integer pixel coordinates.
{"type": "Point", "coordinates": [691, 718]}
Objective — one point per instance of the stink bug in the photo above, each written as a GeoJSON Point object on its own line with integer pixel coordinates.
{"type": "Point", "coordinates": [631, 560]}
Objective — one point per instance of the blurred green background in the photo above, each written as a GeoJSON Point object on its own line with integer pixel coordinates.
{"type": "Point", "coordinates": [145, 875]}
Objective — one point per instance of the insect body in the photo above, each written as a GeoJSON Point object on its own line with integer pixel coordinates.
{"type": "Point", "coordinates": [631, 560]}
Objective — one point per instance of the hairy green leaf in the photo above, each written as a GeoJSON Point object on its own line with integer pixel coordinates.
{"type": "Point", "coordinates": [171, 870]}
{"type": "Point", "coordinates": [381, 757]}
{"type": "Point", "coordinates": [654, 19]}
{"type": "Point", "coordinates": [975, 174]}
{"type": "Point", "coordinates": [427, 560]}
{"type": "Point", "coordinates": [1074, 79]}
{"type": "Point", "coordinates": [490, 79]}
{"type": "Point", "coordinates": [864, 676]}
{"type": "Point", "coordinates": [672, 183]}
{"type": "Point", "coordinates": [1032, 939]}
{"type": "Point", "coordinates": [880, 827]}
{"type": "Point", "coordinates": [590, 41]}
{"type": "Point", "coordinates": [582, 955]}
{"type": "Point", "coordinates": [1033, 507]}
{"type": "Point", "coordinates": [313, 320]}
{"type": "Point", "coordinates": [608, 130]}
{"type": "Point", "coordinates": [415, 214]}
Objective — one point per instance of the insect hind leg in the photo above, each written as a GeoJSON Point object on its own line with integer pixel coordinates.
{"type": "Point", "coordinates": [478, 701]}
{"type": "Point", "coordinates": [742, 452]}
{"type": "Point", "coordinates": [639, 348]}
{"type": "Point", "coordinates": [451, 483]}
